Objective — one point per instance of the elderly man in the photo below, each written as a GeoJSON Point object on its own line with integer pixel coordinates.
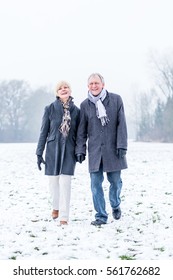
{"type": "Point", "coordinates": [103, 124]}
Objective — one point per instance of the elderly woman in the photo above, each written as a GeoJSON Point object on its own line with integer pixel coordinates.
{"type": "Point", "coordinates": [58, 135]}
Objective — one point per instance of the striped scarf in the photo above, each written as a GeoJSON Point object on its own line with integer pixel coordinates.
{"type": "Point", "coordinates": [66, 119]}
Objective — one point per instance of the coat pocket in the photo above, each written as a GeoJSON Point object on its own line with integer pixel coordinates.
{"type": "Point", "coordinates": [50, 138]}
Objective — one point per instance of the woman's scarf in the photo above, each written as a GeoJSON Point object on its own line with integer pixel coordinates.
{"type": "Point", "coordinates": [66, 119]}
{"type": "Point", "coordinates": [100, 109]}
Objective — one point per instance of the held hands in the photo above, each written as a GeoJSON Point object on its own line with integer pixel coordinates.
{"type": "Point", "coordinates": [80, 158]}
{"type": "Point", "coordinates": [39, 161]}
{"type": "Point", "coordinates": [121, 153]}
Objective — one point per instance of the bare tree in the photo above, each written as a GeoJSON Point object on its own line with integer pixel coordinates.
{"type": "Point", "coordinates": [159, 125]}
{"type": "Point", "coordinates": [13, 96]}
{"type": "Point", "coordinates": [163, 69]}
{"type": "Point", "coordinates": [34, 108]}
{"type": "Point", "coordinates": [21, 110]}
{"type": "Point", "coordinates": [146, 106]}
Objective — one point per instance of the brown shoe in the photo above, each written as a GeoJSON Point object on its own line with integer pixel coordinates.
{"type": "Point", "coordinates": [63, 223]}
{"type": "Point", "coordinates": [55, 214]}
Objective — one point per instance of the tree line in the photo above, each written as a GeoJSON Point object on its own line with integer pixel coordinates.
{"type": "Point", "coordinates": [21, 108]}
{"type": "Point", "coordinates": [155, 108]}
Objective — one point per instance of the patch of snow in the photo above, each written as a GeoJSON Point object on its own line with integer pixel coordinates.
{"type": "Point", "coordinates": [144, 232]}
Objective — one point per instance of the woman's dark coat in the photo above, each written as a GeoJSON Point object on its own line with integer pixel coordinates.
{"type": "Point", "coordinates": [60, 151]}
{"type": "Point", "coordinates": [103, 141]}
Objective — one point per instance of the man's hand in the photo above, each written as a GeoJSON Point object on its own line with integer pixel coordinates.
{"type": "Point", "coordinates": [121, 153]}
{"type": "Point", "coordinates": [80, 158]}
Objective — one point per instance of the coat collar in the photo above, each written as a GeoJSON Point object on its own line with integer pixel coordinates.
{"type": "Point", "coordinates": [105, 101]}
{"type": "Point", "coordinates": [58, 104]}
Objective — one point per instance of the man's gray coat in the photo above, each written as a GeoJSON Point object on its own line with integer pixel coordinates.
{"type": "Point", "coordinates": [60, 151]}
{"type": "Point", "coordinates": [103, 141]}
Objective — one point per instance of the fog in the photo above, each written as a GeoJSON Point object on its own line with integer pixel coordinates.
{"type": "Point", "coordinates": [44, 41]}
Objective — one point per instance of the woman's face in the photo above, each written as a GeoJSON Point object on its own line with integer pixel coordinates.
{"type": "Point", "coordinates": [63, 93]}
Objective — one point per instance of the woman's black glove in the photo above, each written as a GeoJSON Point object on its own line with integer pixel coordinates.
{"type": "Point", "coordinates": [39, 161]}
{"type": "Point", "coordinates": [80, 158]}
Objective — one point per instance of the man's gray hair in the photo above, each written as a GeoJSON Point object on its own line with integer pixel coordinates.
{"type": "Point", "coordinates": [96, 75]}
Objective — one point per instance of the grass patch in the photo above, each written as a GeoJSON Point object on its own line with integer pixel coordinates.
{"type": "Point", "coordinates": [12, 258]}
{"type": "Point", "coordinates": [161, 249]}
{"type": "Point", "coordinates": [125, 257]}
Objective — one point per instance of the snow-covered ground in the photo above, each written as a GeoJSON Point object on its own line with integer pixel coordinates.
{"type": "Point", "coordinates": [145, 231]}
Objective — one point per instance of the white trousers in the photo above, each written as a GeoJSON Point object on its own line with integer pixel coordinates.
{"type": "Point", "coordinates": [60, 191]}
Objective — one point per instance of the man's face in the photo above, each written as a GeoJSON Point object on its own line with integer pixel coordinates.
{"type": "Point", "coordinates": [95, 85]}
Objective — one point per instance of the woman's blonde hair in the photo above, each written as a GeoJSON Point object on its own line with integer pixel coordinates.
{"type": "Point", "coordinates": [61, 84]}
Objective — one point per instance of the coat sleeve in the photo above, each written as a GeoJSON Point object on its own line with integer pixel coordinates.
{"type": "Point", "coordinates": [43, 132]}
{"type": "Point", "coordinates": [81, 132]}
{"type": "Point", "coordinates": [121, 126]}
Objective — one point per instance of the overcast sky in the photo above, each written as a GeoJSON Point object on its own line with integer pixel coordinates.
{"type": "Point", "coordinates": [44, 41]}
